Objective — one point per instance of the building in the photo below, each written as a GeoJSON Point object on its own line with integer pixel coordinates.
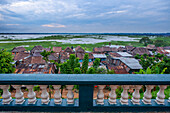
{"type": "Point", "coordinates": [129, 48]}
{"type": "Point", "coordinates": [17, 50]}
{"type": "Point", "coordinates": [57, 49]}
{"type": "Point", "coordinates": [151, 47]}
{"type": "Point", "coordinates": [121, 49]}
{"type": "Point", "coordinates": [140, 51]}
{"type": "Point", "coordinates": [35, 69]}
{"type": "Point", "coordinates": [81, 57]}
{"type": "Point", "coordinates": [79, 49]}
{"type": "Point", "coordinates": [36, 48]}
{"type": "Point", "coordinates": [130, 64]}
{"type": "Point", "coordinates": [120, 54]}
{"type": "Point", "coordinates": [102, 57]}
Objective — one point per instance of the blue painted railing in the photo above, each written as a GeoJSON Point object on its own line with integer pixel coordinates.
{"type": "Point", "coordinates": [86, 84]}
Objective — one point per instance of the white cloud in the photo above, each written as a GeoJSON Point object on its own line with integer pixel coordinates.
{"type": "Point", "coordinates": [76, 15]}
{"type": "Point", "coordinates": [54, 25]}
{"type": "Point", "coordinates": [1, 17]}
{"type": "Point", "coordinates": [34, 9]}
{"type": "Point", "coordinates": [111, 12]}
{"type": "Point", "coordinates": [12, 24]}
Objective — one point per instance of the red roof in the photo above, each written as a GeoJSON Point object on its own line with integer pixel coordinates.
{"type": "Point", "coordinates": [18, 49]}
{"type": "Point", "coordinates": [21, 55]}
{"type": "Point", "coordinates": [57, 49]}
{"type": "Point", "coordinates": [117, 69]}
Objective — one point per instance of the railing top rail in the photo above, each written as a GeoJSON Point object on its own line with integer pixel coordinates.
{"type": "Point", "coordinates": [120, 79]}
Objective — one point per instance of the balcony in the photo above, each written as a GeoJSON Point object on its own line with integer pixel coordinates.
{"type": "Point", "coordinates": [86, 101]}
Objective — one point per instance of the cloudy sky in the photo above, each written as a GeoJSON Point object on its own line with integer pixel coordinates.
{"type": "Point", "coordinates": [56, 16]}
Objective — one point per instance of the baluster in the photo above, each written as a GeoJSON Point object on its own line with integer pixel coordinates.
{"type": "Point", "coordinates": [31, 95]}
{"type": "Point", "coordinates": [124, 95]}
{"type": "Point", "coordinates": [19, 94]}
{"type": "Point", "coordinates": [70, 95]}
{"type": "Point", "coordinates": [57, 95]}
{"type": "Point", "coordinates": [169, 99]}
{"type": "Point", "coordinates": [6, 94]}
{"type": "Point", "coordinates": [112, 94]}
{"type": "Point", "coordinates": [160, 95]}
{"type": "Point", "coordinates": [100, 95]}
{"type": "Point", "coordinates": [147, 95]}
{"type": "Point", "coordinates": [44, 94]}
{"type": "Point", "coordinates": [136, 94]}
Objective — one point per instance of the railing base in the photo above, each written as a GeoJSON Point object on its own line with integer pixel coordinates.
{"type": "Point", "coordinates": [64, 107]}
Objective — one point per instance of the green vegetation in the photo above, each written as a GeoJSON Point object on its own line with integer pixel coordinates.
{"type": "Point", "coordinates": [6, 60]}
{"type": "Point", "coordinates": [89, 47]}
{"type": "Point", "coordinates": [145, 41]}
{"type": "Point", "coordinates": [158, 64]}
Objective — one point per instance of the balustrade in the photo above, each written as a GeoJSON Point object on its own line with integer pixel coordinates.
{"type": "Point", "coordinates": [112, 101]}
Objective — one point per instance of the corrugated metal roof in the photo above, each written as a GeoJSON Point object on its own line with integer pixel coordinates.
{"type": "Point", "coordinates": [131, 63]}
{"type": "Point", "coordinates": [99, 55]}
{"type": "Point", "coordinates": [124, 54]}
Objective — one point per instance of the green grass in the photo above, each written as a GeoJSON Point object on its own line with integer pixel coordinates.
{"type": "Point", "coordinates": [89, 47]}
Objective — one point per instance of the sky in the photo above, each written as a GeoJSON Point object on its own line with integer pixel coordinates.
{"type": "Point", "coordinates": [84, 16]}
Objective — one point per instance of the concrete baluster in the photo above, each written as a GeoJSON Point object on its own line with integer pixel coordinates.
{"type": "Point", "coordinates": [169, 99]}
{"type": "Point", "coordinates": [112, 95]}
{"type": "Point", "coordinates": [70, 95]}
{"type": "Point", "coordinates": [136, 94]}
{"type": "Point", "coordinates": [100, 95]}
{"type": "Point", "coordinates": [44, 94]}
{"type": "Point", "coordinates": [57, 95]}
{"type": "Point", "coordinates": [31, 94]}
{"type": "Point", "coordinates": [147, 95]}
{"type": "Point", "coordinates": [124, 95]}
{"type": "Point", "coordinates": [160, 95]}
{"type": "Point", "coordinates": [19, 94]}
{"type": "Point", "coordinates": [6, 94]}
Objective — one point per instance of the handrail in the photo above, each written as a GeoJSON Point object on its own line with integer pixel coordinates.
{"type": "Point", "coordinates": [77, 79]}
{"type": "Point", "coordinates": [86, 84]}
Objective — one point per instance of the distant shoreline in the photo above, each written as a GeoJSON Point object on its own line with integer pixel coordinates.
{"type": "Point", "coordinates": [121, 34]}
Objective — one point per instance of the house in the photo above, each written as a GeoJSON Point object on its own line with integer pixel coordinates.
{"type": "Point", "coordinates": [18, 58]}
{"type": "Point", "coordinates": [36, 48]}
{"type": "Point", "coordinates": [129, 48]}
{"type": "Point", "coordinates": [102, 57]}
{"type": "Point", "coordinates": [104, 49]}
{"type": "Point", "coordinates": [34, 60]}
{"type": "Point", "coordinates": [79, 49]}
{"type": "Point", "coordinates": [121, 49]}
{"type": "Point", "coordinates": [35, 69]}
{"type": "Point", "coordinates": [17, 50]}
{"type": "Point", "coordinates": [117, 69]}
{"type": "Point", "coordinates": [140, 51]}
{"type": "Point", "coordinates": [81, 57]}
{"type": "Point", "coordinates": [64, 56]}
{"type": "Point", "coordinates": [151, 47]}
{"type": "Point", "coordinates": [130, 64]}
{"type": "Point", "coordinates": [68, 50]}
{"type": "Point", "coordinates": [120, 54]}
{"type": "Point", "coordinates": [57, 49]}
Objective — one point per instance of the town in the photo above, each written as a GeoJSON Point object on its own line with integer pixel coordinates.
{"type": "Point", "coordinates": [120, 59]}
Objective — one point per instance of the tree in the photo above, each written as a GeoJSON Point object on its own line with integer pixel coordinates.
{"type": "Point", "coordinates": [145, 41]}
{"type": "Point", "coordinates": [101, 71]}
{"type": "Point", "coordinates": [77, 70]}
{"type": "Point", "coordinates": [158, 63]}
{"type": "Point", "coordinates": [6, 60]}
{"type": "Point", "coordinates": [85, 63]}
{"type": "Point", "coordinates": [72, 62]}
{"type": "Point", "coordinates": [96, 63]}
{"type": "Point", "coordinates": [159, 43]}
{"type": "Point", "coordinates": [110, 72]}
{"type": "Point", "coordinates": [151, 71]}
{"type": "Point", "coordinates": [45, 55]}
{"type": "Point", "coordinates": [91, 70]}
